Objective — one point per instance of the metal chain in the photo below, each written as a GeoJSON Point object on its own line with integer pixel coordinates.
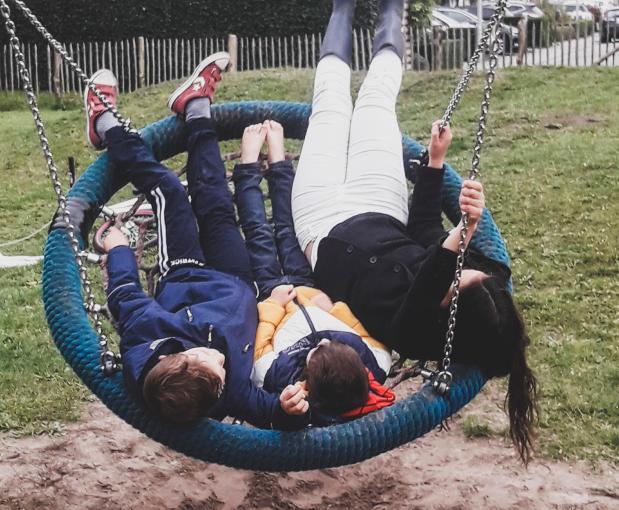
{"type": "Point", "coordinates": [109, 361]}
{"type": "Point", "coordinates": [444, 377]}
{"type": "Point", "coordinates": [60, 49]}
{"type": "Point", "coordinates": [491, 28]}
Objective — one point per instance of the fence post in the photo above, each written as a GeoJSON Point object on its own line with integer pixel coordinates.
{"type": "Point", "coordinates": [437, 44]}
{"type": "Point", "coordinates": [141, 62]}
{"type": "Point", "coordinates": [408, 45]}
{"type": "Point", "coordinates": [522, 40]}
{"type": "Point", "coordinates": [233, 44]}
{"type": "Point", "coordinates": [56, 80]}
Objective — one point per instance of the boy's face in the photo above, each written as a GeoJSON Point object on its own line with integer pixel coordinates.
{"type": "Point", "coordinates": [210, 358]}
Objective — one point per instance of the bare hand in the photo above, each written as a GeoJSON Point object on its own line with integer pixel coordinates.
{"type": "Point", "coordinates": [113, 239]}
{"type": "Point", "coordinates": [472, 200]}
{"type": "Point", "coordinates": [251, 143]}
{"type": "Point", "coordinates": [283, 294]}
{"type": "Point", "coordinates": [293, 399]}
{"type": "Point", "coordinates": [439, 143]}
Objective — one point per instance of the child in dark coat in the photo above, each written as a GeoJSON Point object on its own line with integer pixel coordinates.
{"type": "Point", "coordinates": [188, 352]}
{"type": "Point", "coordinates": [312, 351]}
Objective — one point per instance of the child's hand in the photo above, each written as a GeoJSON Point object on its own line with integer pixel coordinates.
{"type": "Point", "coordinates": [293, 399]}
{"type": "Point", "coordinates": [472, 200]}
{"type": "Point", "coordinates": [251, 143]}
{"type": "Point", "coordinates": [283, 294]}
{"type": "Point", "coordinates": [275, 141]}
{"type": "Point", "coordinates": [439, 143]}
{"type": "Point", "coordinates": [113, 239]}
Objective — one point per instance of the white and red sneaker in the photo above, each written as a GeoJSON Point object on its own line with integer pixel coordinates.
{"type": "Point", "coordinates": [202, 83]}
{"type": "Point", "coordinates": [107, 84]}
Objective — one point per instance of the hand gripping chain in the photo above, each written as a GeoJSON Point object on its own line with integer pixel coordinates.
{"type": "Point", "coordinates": [443, 379]}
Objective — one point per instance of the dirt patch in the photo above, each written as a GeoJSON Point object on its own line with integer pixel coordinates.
{"type": "Point", "coordinates": [573, 121]}
{"type": "Point", "coordinates": [102, 462]}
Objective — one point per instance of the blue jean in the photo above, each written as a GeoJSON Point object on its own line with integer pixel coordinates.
{"type": "Point", "coordinates": [205, 236]}
{"type": "Point", "coordinates": [274, 251]}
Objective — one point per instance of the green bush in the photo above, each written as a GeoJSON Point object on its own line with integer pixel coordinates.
{"type": "Point", "coordinates": [79, 20]}
{"type": "Point", "coordinates": [419, 12]}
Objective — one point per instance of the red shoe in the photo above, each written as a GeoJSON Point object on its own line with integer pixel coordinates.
{"type": "Point", "coordinates": [107, 84]}
{"type": "Point", "coordinates": [202, 83]}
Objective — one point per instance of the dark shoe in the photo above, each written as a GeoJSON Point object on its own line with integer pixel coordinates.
{"type": "Point", "coordinates": [338, 37]}
{"type": "Point", "coordinates": [81, 214]}
{"type": "Point", "coordinates": [389, 27]}
{"type": "Point", "coordinates": [202, 83]}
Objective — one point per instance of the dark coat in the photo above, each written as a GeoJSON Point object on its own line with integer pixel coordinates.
{"type": "Point", "coordinates": [290, 363]}
{"type": "Point", "coordinates": [394, 276]}
{"type": "Point", "coordinates": [194, 307]}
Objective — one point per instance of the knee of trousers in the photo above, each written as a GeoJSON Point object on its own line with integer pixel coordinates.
{"type": "Point", "coordinates": [170, 185]}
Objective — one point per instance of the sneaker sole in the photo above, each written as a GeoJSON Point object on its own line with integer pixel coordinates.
{"type": "Point", "coordinates": [211, 59]}
{"type": "Point", "coordinates": [95, 79]}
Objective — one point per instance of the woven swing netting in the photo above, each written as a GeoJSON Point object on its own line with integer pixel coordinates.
{"type": "Point", "coordinates": [231, 444]}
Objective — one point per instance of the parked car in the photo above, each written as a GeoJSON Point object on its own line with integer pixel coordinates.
{"type": "Point", "coordinates": [609, 25]}
{"type": "Point", "coordinates": [508, 34]}
{"type": "Point", "coordinates": [577, 12]}
{"type": "Point", "coordinates": [519, 9]}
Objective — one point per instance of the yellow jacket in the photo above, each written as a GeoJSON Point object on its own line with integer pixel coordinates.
{"type": "Point", "coordinates": [272, 317]}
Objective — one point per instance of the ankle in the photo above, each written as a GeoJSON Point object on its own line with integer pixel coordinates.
{"type": "Point", "coordinates": [198, 108]}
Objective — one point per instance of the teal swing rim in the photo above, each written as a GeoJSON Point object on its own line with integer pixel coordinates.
{"type": "Point", "coordinates": [241, 446]}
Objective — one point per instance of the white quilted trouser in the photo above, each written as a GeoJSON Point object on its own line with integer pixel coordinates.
{"type": "Point", "coordinates": [351, 162]}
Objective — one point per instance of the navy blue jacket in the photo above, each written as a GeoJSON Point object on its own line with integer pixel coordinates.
{"type": "Point", "coordinates": [194, 307]}
{"type": "Point", "coordinates": [290, 363]}
{"type": "Point", "coordinates": [288, 367]}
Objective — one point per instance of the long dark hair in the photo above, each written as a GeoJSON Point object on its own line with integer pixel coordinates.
{"type": "Point", "coordinates": [490, 332]}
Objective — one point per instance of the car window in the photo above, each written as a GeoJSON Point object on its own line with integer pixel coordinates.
{"type": "Point", "coordinates": [458, 17]}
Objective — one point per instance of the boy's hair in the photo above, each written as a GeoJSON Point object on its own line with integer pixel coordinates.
{"type": "Point", "coordinates": [490, 333]}
{"type": "Point", "coordinates": [336, 378]}
{"type": "Point", "coordinates": [180, 389]}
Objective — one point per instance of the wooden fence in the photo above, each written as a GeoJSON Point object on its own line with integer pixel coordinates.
{"type": "Point", "coordinates": [142, 62]}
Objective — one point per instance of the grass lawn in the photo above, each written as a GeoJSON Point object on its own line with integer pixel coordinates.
{"type": "Point", "coordinates": [549, 165]}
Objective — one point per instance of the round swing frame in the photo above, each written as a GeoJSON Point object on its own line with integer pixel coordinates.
{"type": "Point", "coordinates": [237, 445]}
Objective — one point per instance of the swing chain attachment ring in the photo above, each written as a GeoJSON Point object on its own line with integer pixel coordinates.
{"type": "Point", "coordinates": [442, 382]}
{"type": "Point", "coordinates": [110, 363]}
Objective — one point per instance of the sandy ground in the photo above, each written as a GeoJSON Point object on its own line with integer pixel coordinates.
{"type": "Point", "coordinates": [102, 462]}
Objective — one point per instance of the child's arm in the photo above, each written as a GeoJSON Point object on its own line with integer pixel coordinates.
{"type": "Point", "coordinates": [126, 299]}
{"type": "Point", "coordinates": [270, 314]}
{"type": "Point", "coordinates": [269, 411]}
{"type": "Point", "coordinates": [425, 224]}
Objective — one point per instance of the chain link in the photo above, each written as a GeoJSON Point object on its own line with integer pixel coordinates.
{"type": "Point", "coordinates": [61, 50]}
{"type": "Point", "coordinates": [492, 27]}
{"type": "Point", "coordinates": [109, 360]}
{"type": "Point", "coordinates": [444, 377]}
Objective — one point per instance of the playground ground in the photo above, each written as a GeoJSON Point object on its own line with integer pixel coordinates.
{"type": "Point", "coordinates": [550, 170]}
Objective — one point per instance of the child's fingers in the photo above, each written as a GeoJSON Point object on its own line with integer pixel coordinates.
{"type": "Point", "coordinates": [470, 184]}
{"type": "Point", "coordinates": [301, 408]}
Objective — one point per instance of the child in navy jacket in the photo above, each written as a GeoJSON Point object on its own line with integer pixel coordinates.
{"type": "Point", "coordinates": [312, 351]}
{"type": "Point", "coordinates": [189, 351]}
